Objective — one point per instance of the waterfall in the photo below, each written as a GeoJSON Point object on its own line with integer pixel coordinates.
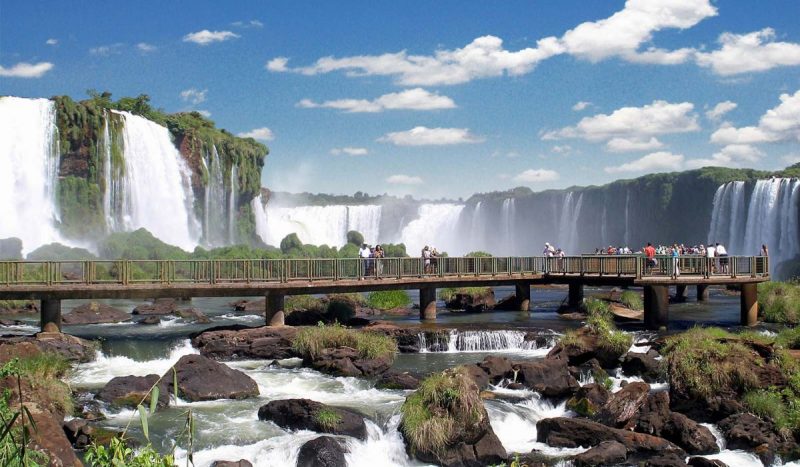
{"type": "Point", "coordinates": [108, 193]}
{"type": "Point", "coordinates": [568, 223]}
{"type": "Point", "coordinates": [157, 184]}
{"type": "Point", "coordinates": [260, 214]}
{"type": "Point", "coordinates": [317, 225]}
{"type": "Point", "coordinates": [29, 161]}
{"type": "Point", "coordinates": [232, 205]}
{"type": "Point", "coordinates": [436, 226]}
{"type": "Point", "coordinates": [214, 212]}
{"type": "Point", "coordinates": [508, 221]}
{"type": "Point", "coordinates": [479, 341]}
{"type": "Point", "coordinates": [477, 238]}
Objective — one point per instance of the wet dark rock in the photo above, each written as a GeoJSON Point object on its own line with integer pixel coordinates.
{"type": "Point", "coordinates": [239, 463]}
{"type": "Point", "coordinates": [81, 433]}
{"type": "Point", "coordinates": [345, 361]}
{"type": "Point", "coordinates": [510, 303]}
{"type": "Point", "coordinates": [203, 379]}
{"type": "Point", "coordinates": [748, 432]}
{"type": "Point", "coordinates": [588, 400]}
{"type": "Point", "coordinates": [472, 303]}
{"type": "Point", "coordinates": [656, 419]}
{"type": "Point", "coordinates": [150, 320]}
{"type": "Point", "coordinates": [304, 414]}
{"type": "Point", "coordinates": [654, 415]}
{"type": "Point", "coordinates": [703, 462]}
{"type": "Point", "coordinates": [397, 380]}
{"type": "Point", "coordinates": [94, 313]}
{"type": "Point", "coordinates": [266, 342]}
{"type": "Point", "coordinates": [130, 391]}
{"type": "Point", "coordinates": [605, 453]}
{"type": "Point", "coordinates": [497, 368]}
{"type": "Point", "coordinates": [623, 405]}
{"type": "Point", "coordinates": [667, 459]}
{"type": "Point", "coordinates": [585, 347]}
{"type": "Point", "coordinates": [251, 306]}
{"type": "Point", "coordinates": [192, 314]}
{"type": "Point", "coordinates": [160, 306]}
{"type": "Point", "coordinates": [305, 318]}
{"type": "Point", "coordinates": [550, 378]}
{"type": "Point", "coordinates": [642, 364]}
{"type": "Point", "coordinates": [324, 451]}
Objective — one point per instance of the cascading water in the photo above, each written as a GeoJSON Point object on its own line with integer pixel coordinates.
{"type": "Point", "coordinates": [480, 341]}
{"type": "Point", "coordinates": [29, 159]}
{"type": "Point", "coordinates": [477, 230]}
{"type": "Point", "coordinates": [436, 225]}
{"type": "Point", "coordinates": [157, 184]}
{"type": "Point", "coordinates": [317, 225]}
{"type": "Point", "coordinates": [214, 222]}
{"type": "Point", "coordinates": [233, 189]}
{"type": "Point", "coordinates": [568, 223]}
{"type": "Point", "coordinates": [508, 222]}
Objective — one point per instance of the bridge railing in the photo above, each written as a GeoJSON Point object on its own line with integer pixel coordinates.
{"type": "Point", "coordinates": [132, 272]}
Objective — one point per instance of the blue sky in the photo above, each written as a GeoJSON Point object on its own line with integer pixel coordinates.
{"type": "Point", "coordinates": [440, 99]}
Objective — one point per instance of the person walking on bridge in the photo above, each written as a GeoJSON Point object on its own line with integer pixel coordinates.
{"type": "Point", "coordinates": [364, 254]}
{"type": "Point", "coordinates": [675, 259]}
{"type": "Point", "coordinates": [650, 255]}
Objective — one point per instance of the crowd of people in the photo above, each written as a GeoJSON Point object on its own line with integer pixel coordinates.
{"type": "Point", "coordinates": [430, 259]}
{"type": "Point", "coordinates": [552, 252]}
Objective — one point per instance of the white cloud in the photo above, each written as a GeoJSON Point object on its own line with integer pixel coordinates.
{"type": "Point", "coordinates": [781, 123]}
{"type": "Point", "coordinates": [732, 155]}
{"type": "Point", "coordinates": [144, 47]}
{"type": "Point", "coordinates": [194, 96]}
{"type": "Point", "coordinates": [277, 64]}
{"type": "Point", "coordinates": [743, 53]}
{"type": "Point", "coordinates": [204, 113]}
{"type": "Point", "coordinates": [263, 134]}
{"type": "Point", "coordinates": [26, 70]}
{"type": "Point", "coordinates": [253, 23]}
{"type": "Point", "coordinates": [562, 149]}
{"type": "Point", "coordinates": [106, 50]}
{"type": "Point", "coordinates": [350, 151]}
{"type": "Point", "coordinates": [51, 41]}
{"type": "Point", "coordinates": [581, 105]}
{"type": "Point", "coordinates": [401, 179]}
{"type": "Point", "coordinates": [206, 37]}
{"type": "Point", "coordinates": [658, 118]}
{"type": "Point", "coordinates": [654, 162]}
{"type": "Point", "coordinates": [720, 109]}
{"type": "Point", "coordinates": [424, 136]}
{"type": "Point", "coordinates": [410, 99]}
{"type": "Point", "coordinates": [632, 145]}
{"type": "Point", "coordinates": [791, 159]}
{"type": "Point", "coordinates": [536, 175]}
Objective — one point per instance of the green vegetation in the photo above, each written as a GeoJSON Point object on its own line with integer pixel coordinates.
{"type": "Point", "coordinates": [117, 453]}
{"type": "Point", "coordinates": [632, 300]}
{"type": "Point", "coordinates": [789, 338]}
{"type": "Point", "coordinates": [18, 424]}
{"type": "Point", "coordinates": [600, 322]}
{"type": "Point", "coordinates": [779, 302]}
{"type": "Point", "coordinates": [59, 252]}
{"type": "Point", "coordinates": [444, 403]}
{"type": "Point", "coordinates": [478, 254]}
{"type": "Point", "coordinates": [449, 293]}
{"type": "Point", "coordinates": [781, 407]}
{"type": "Point", "coordinates": [302, 303]}
{"type": "Point", "coordinates": [310, 341]}
{"type": "Point", "coordinates": [388, 299]}
{"type": "Point", "coordinates": [327, 418]}
{"type": "Point", "coordinates": [46, 372]}
{"type": "Point", "coordinates": [355, 238]}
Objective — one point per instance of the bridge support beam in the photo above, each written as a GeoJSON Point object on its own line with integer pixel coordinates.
{"type": "Point", "coordinates": [575, 297]}
{"type": "Point", "coordinates": [749, 300]}
{"type": "Point", "coordinates": [702, 293]}
{"type": "Point", "coordinates": [523, 294]}
{"type": "Point", "coordinates": [427, 303]}
{"type": "Point", "coordinates": [275, 313]}
{"type": "Point", "coordinates": [681, 293]}
{"type": "Point", "coordinates": [656, 306]}
{"type": "Point", "coordinates": [50, 314]}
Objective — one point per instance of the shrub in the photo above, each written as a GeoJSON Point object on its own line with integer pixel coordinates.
{"type": "Point", "coordinates": [779, 302]}
{"type": "Point", "coordinates": [478, 254]}
{"type": "Point", "coordinates": [632, 300]}
{"type": "Point", "coordinates": [789, 338]}
{"type": "Point", "coordinates": [355, 238]}
{"type": "Point", "coordinates": [601, 321]}
{"type": "Point", "coordinates": [388, 299]}
{"type": "Point", "coordinates": [449, 293]}
{"type": "Point", "coordinates": [310, 341]}
{"type": "Point", "coordinates": [302, 303]}
{"type": "Point", "coordinates": [327, 418]}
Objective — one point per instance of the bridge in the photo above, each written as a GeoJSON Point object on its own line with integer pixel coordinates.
{"type": "Point", "coordinates": [53, 281]}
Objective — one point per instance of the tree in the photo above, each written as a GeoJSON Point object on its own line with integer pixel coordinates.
{"type": "Point", "coordinates": [291, 242]}
{"type": "Point", "coordinates": [355, 238]}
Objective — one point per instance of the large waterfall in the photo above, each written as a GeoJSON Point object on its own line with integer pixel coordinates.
{"type": "Point", "coordinates": [435, 226]}
{"type": "Point", "coordinates": [157, 185]}
{"type": "Point", "coordinates": [770, 217]}
{"type": "Point", "coordinates": [29, 159]}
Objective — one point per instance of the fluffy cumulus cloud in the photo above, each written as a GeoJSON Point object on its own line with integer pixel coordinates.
{"type": "Point", "coordinates": [253, 23]}
{"type": "Point", "coordinates": [145, 48]}
{"type": "Point", "coordinates": [581, 105]}
{"type": "Point", "coordinates": [51, 41]}
{"type": "Point", "coordinates": [263, 134]}
{"type": "Point", "coordinates": [206, 37]}
{"type": "Point", "coordinates": [424, 136]}
{"type": "Point", "coordinates": [633, 123]}
{"type": "Point", "coordinates": [277, 64]}
{"type": "Point", "coordinates": [26, 70]}
{"type": "Point", "coordinates": [401, 179]}
{"type": "Point", "coordinates": [732, 155]}
{"type": "Point", "coordinates": [781, 123]}
{"type": "Point", "coordinates": [720, 109]}
{"type": "Point", "coordinates": [350, 151]}
{"type": "Point", "coordinates": [661, 161]}
{"type": "Point", "coordinates": [410, 99]}
{"type": "Point", "coordinates": [194, 96]}
{"type": "Point", "coordinates": [536, 176]}
{"type": "Point", "coordinates": [633, 145]}
{"type": "Point", "coordinates": [753, 52]}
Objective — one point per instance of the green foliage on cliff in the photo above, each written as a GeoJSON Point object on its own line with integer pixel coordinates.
{"type": "Point", "coordinates": [81, 206]}
{"type": "Point", "coordinates": [779, 302]}
{"type": "Point", "coordinates": [139, 244]}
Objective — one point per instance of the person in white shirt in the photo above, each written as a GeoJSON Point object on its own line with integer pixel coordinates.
{"type": "Point", "coordinates": [711, 252]}
{"type": "Point", "coordinates": [722, 254]}
{"type": "Point", "coordinates": [364, 254]}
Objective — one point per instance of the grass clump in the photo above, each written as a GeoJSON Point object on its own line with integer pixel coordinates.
{"type": "Point", "coordinates": [601, 321]}
{"type": "Point", "coordinates": [327, 418]}
{"type": "Point", "coordinates": [310, 341]}
{"type": "Point", "coordinates": [789, 338]}
{"type": "Point", "coordinates": [450, 293]}
{"type": "Point", "coordinates": [632, 300]}
{"type": "Point", "coordinates": [444, 403]}
{"type": "Point", "coordinates": [302, 303]}
{"type": "Point", "coordinates": [388, 299]}
{"type": "Point", "coordinates": [779, 302]}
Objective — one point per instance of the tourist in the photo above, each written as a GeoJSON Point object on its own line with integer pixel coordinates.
{"type": "Point", "coordinates": [426, 260]}
{"type": "Point", "coordinates": [711, 252]}
{"type": "Point", "coordinates": [675, 259]}
{"type": "Point", "coordinates": [364, 253]}
{"type": "Point", "coordinates": [434, 260]}
{"type": "Point", "coordinates": [722, 254]}
{"type": "Point", "coordinates": [764, 251]}
{"type": "Point", "coordinates": [650, 254]}
{"type": "Point", "coordinates": [379, 255]}
{"type": "Point", "coordinates": [549, 251]}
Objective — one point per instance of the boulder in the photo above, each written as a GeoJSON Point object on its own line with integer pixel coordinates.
{"type": "Point", "coordinates": [703, 462]}
{"type": "Point", "coordinates": [471, 302]}
{"type": "Point", "coordinates": [497, 368]}
{"type": "Point", "coordinates": [203, 379]}
{"type": "Point", "coordinates": [748, 432]}
{"type": "Point", "coordinates": [588, 400]}
{"type": "Point", "coordinates": [397, 380]}
{"type": "Point", "coordinates": [94, 313]}
{"type": "Point", "coordinates": [623, 405]}
{"type": "Point", "coordinates": [192, 314]}
{"type": "Point", "coordinates": [667, 459]}
{"type": "Point", "coordinates": [129, 391]}
{"type": "Point", "coordinates": [150, 320]}
{"type": "Point", "coordinates": [642, 364]}
{"type": "Point", "coordinates": [654, 415]}
{"type": "Point", "coordinates": [510, 303]}
{"type": "Point", "coordinates": [585, 347]}
{"type": "Point", "coordinates": [324, 451]}
{"type": "Point", "coordinates": [305, 414]}
{"type": "Point", "coordinates": [550, 378]}
{"type": "Point", "coordinates": [82, 434]}
{"type": "Point", "coordinates": [346, 361]}
{"type": "Point", "coordinates": [656, 419]}
{"type": "Point", "coordinates": [605, 453]}
{"type": "Point", "coordinates": [477, 374]}
{"type": "Point", "coordinates": [160, 306]}
{"type": "Point", "coordinates": [239, 463]}
{"type": "Point", "coordinates": [72, 348]}
{"type": "Point", "coordinates": [251, 306]}
{"type": "Point", "coordinates": [267, 343]}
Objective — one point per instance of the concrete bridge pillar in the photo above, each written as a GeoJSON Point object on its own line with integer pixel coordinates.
{"type": "Point", "coordinates": [50, 313]}
{"type": "Point", "coordinates": [427, 303]}
{"type": "Point", "coordinates": [656, 306]}
{"type": "Point", "coordinates": [275, 313]}
{"type": "Point", "coordinates": [681, 293]}
{"type": "Point", "coordinates": [749, 302]}
{"type": "Point", "coordinates": [702, 293]}
{"type": "Point", "coordinates": [575, 297]}
{"type": "Point", "coordinates": [523, 294]}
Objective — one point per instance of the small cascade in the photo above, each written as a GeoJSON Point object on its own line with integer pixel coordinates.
{"type": "Point", "coordinates": [435, 225]}
{"type": "Point", "coordinates": [478, 341]}
{"type": "Point", "coordinates": [233, 190]}
{"type": "Point", "coordinates": [29, 161]}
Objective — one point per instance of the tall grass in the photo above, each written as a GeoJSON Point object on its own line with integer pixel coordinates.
{"type": "Point", "coordinates": [310, 341]}
{"type": "Point", "coordinates": [448, 293]}
{"type": "Point", "coordinates": [779, 302]}
{"type": "Point", "coordinates": [632, 300]}
{"type": "Point", "coordinates": [388, 299]}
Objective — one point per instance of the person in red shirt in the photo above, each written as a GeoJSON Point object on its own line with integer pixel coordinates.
{"type": "Point", "coordinates": [650, 254]}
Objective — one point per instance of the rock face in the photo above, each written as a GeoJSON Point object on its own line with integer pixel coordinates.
{"type": "Point", "coordinates": [655, 418]}
{"type": "Point", "coordinates": [748, 432]}
{"type": "Point", "coordinates": [623, 405]}
{"type": "Point", "coordinates": [272, 343]}
{"type": "Point", "coordinates": [203, 379]}
{"type": "Point", "coordinates": [321, 452]}
{"type": "Point", "coordinates": [305, 414]}
{"type": "Point", "coordinates": [586, 346]}
{"type": "Point", "coordinates": [642, 364]}
{"type": "Point", "coordinates": [550, 378]}
{"type": "Point", "coordinates": [605, 453]}
{"type": "Point", "coordinates": [346, 361]}
{"type": "Point", "coordinates": [129, 391]}
{"type": "Point", "coordinates": [161, 306]}
{"type": "Point", "coordinates": [94, 313]}
{"type": "Point", "coordinates": [397, 380]}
